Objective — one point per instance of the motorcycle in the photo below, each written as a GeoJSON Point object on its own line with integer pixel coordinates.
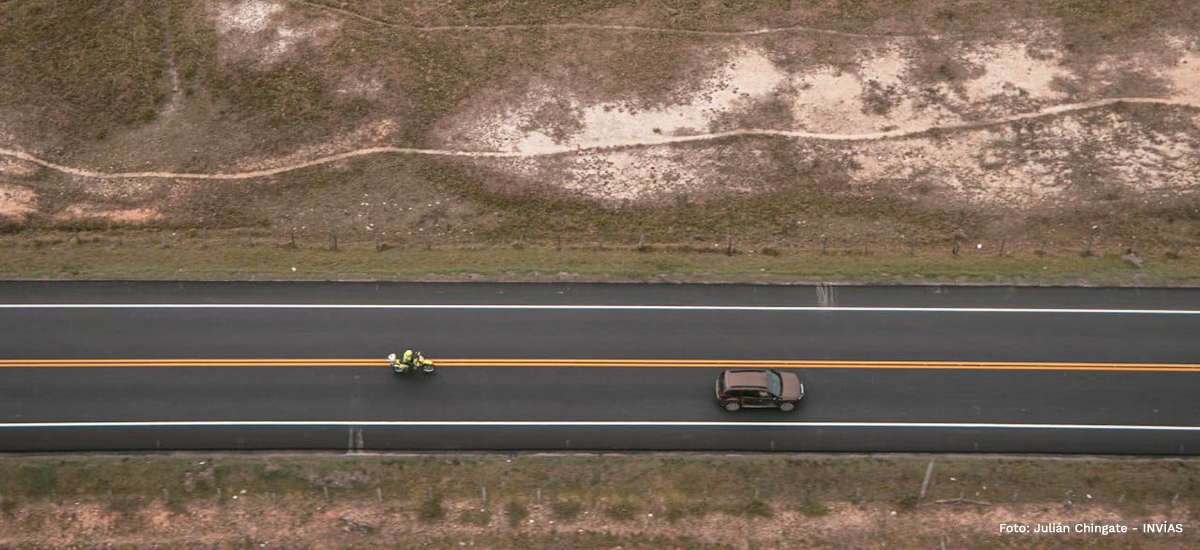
{"type": "Point", "coordinates": [419, 363]}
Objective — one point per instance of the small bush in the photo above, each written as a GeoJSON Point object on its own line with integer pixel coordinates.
{"type": "Point", "coordinates": [481, 517]}
{"type": "Point", "coordinates": [9, 506]}
{"type": "Point", "coordinates": [906, 502]}
{"type": "Point", "coordinates": [516, 513]}
{"type": "Point", "coordinates": [698, 509]}
{"type": "Point", "coordinates": [565, 510]}
{"type": "Point", "coordinates": [126, 504]}
{"type": "Point", "coordinates": [756, 508]}
{"type": "Point", "coordinates": [42, 480]}
{"type": "Point", "coordinates": [431, 510]}
{"type": "Point", "coordinates": [674, 512]}
{"type": "Point", "coordinates": [176, 508]}
{"type": "Point", "coordinates": [621, 511]}
{"type": "Point", "coordinates": [9, 226]}
{"type": "Point", "coordinates": [812, 507]}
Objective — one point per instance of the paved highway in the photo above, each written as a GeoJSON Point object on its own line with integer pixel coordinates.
{"type": "Point", "coordinates": [295, 365]}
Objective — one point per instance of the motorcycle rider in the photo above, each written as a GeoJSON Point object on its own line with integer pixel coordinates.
{"type": "Point", "coordinates": [410, 359]}
{"type": "Point", "coordinates": [397, 364]}
{"type": "Point", "coordinates": [419, 361]}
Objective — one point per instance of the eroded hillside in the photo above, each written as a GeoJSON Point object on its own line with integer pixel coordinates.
{"type": "Point", "coordinates": [677, 118]}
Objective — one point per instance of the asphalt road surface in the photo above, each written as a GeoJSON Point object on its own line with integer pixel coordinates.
{"type": "Point", "coordinates": [1001, 369]}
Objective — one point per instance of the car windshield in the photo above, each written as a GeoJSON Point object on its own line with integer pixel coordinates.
{"type": "Point", "coordinates": [774, 383]}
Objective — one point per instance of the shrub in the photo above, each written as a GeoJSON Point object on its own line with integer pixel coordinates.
{"type": "Point", "coordinates": [565, 510]}
{"type": "Point", "coordinates": [431, 510]}
{"type": "Point", "coordinates": [906, 502]}
{"type": "Point", "coordinates": [674, 512]}
{"type": "Point", "coordinates": [41, 480]}
{"type": "Point", "coordinates": [757, 508]}
{"type": "Point", "coordinates": [812, 507]}
{"type": "Point", "coordinates": [516, 513]}
{"type": "Point", "coordinates": [481, 517]}
{"type": "Point", "coordinates": [621, 511]}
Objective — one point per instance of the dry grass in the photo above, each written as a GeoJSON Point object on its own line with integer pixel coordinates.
{"type": "Point", "coordinates": [228, 255]}
{"type": "Point", "coordinates": [75, 71]}
{"type": "Point", "coordinates": [696, 501]}
{"type": "Point", "coordinates": [169, 86]}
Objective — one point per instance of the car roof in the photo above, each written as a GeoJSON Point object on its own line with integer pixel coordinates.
{"type": "Point", "coordinates": [746, 378]}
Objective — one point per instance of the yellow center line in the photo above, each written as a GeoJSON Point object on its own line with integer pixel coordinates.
{"type": "Point", "coordinates": [610, 363]}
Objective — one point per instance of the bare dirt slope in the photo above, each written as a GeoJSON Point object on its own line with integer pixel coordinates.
{"type": "Point", "coordinates": [856, 117]}
{"type": "Point", "coordinates": [590, 501]}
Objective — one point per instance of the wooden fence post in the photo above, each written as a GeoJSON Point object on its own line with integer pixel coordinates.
{"type": "Point", "coordinates": [925, 483]}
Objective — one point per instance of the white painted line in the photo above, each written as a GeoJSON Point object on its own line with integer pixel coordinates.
{"type": "Point", "coordinates": [589, 423]}
{"type": "Point", "coordinates": [858, 309]}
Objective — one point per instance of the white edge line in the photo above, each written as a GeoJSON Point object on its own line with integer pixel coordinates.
{"type": "Point", "coordinates": [587, 423]}
{"type": "Point", "coordinates": [863, 309]}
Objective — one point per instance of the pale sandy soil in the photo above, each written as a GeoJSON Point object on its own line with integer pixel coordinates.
{"type": "Point", "coordinates": [258, 30]}
{"type": "Point", "coordinates": [872, 114]}
{"type": "Point", "coordinates": [16, 201]}
{"type": "Point", "coordinates": [315, 524]}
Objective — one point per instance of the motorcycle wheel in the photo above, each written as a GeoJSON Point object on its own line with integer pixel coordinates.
{"type": "Point", "coordinates": [428, 368]}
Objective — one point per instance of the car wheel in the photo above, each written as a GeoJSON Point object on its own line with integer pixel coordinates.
{"type": "Point", "coordinates": [732, 406]}
{"type": "Point", "coordinates": [787, 407]}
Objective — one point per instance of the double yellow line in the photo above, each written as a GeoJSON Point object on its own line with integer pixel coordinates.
{"type": "Point", "coordinates": [610, 363]}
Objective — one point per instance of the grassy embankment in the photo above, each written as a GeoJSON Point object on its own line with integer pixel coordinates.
{"type": "Point", "coordinates": [511, 501]}
{"type": "Point", "coordinates": [89, 86]}
{"type": "Point", "coordinates": [141, 255]}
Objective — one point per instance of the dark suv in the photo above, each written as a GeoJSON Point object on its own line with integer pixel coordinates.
{"type": "Point", "coordinates": [759, 388]}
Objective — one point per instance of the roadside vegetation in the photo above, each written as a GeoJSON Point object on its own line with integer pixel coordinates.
{"type": "Point", "coordinates": [217, 255]}
{"type": "Point", "coordinates": [75, 71]}
{"type": "Point", "coordinates": [512, 501]}
{"type": "Point", "coordinates": [204, 86]}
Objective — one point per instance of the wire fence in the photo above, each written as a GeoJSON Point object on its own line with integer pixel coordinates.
{"type": "Point", "coordinates": [840, 245]}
